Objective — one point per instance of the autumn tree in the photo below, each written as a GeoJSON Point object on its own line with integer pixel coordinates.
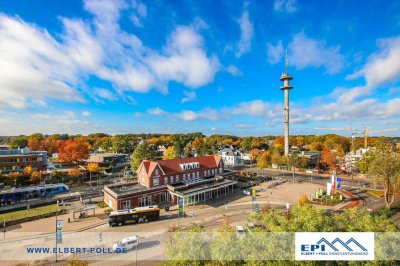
{"type": "Point", "coordinates": [316, 146]}
{"type": "Point", "coordinates": [93, 168]}
{"type": "Point", "coordinates": [264, 160]}
{"type": "Point", "coordinates": [28, 170]}
{"type": "Point", "coordinates": [276, 158]}
{"type": "Point", "coordinates": [279, 142]}
{"type": "Point", "coordinates": [254, 153]}
{"type": "Point", "coordinates": [36, 177]}
{"type": "Point", "coordinates": [73, 150]}
{"type": "Point", "coordinates": [196, 145]}
{"type": "Point", "coordinates": [329, 158]}
{"type": "Point", "coordinates": [170, 153]}
{"type": "Point", "coordinates": [35, 142]}
{"type": "Point", "coordinates": [300, 141]}
{"type": "Point", "coordinates": [74, 173]}
{"type": "Point", "coordinates": [385, 167]}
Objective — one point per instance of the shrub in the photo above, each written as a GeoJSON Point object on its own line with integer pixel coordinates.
{"type": "Point", "coordinates": [303, 200]}
{"type": "Point", "coordinates": [102, 204]}
{"type": "Point", "coordinates": [108, 211]}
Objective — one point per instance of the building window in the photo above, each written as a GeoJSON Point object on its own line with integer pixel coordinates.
{"type": "Point", "coordinates": [184, 176]}
{"type": "Point", "coordinates": [198, 174]}
{"type": "Point", "coordinates": [126, 204]}
{"type": "Point", "coordinates": [156, 181]}
{"type": "Point", "coordinates": [156, 171]}
{"type": "Point", "coordinates": [171, 179]}
{"type": "Point", "coordinates": [220, 170]}
{"type": "Point", "coordinates": [193, 175]}
{"type": "Point", "coordinates": [145, 201]}
{"type": "Point", "coordinates": [205, 172]}
{"type": "Point", "coordinates": [165, 180]}
{"type": "Point", "coordinates": [177, 178]}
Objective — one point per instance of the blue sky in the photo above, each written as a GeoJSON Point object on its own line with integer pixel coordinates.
{"type": "Point", "coordinates": [212, 66]}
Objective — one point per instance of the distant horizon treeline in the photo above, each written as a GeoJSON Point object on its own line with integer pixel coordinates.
{"type": "Point", "coordinates": [126, 143]}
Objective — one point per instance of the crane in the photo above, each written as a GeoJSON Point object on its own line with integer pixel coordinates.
{"type": "Point", "coordinates": [368, 132]}
{"type": "Point", "coordinates": [353, 131]}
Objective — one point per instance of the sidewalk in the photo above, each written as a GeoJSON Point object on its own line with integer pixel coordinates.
{"type": "Point", "coordinates": [47, 225]}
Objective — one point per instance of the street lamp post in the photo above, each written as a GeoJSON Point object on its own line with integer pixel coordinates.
{"type": "Point", "coordinates": [56, 235]}
{"type": "Point", "coordinates": [137, 237]}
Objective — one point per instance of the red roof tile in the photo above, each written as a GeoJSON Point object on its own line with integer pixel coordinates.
{"type": "Point", "coordinates": [173, 166]}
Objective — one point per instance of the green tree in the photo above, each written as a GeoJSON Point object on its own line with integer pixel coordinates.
{"type": "Point", "coordinates": [106, 144]}
{"type": "Point", "coordinates": [385, 168]}
{"type": "Point", "coordinates": [186, 247]}
{"type": "Point", "coordinates": [143, 152]}
{"type": "Point", "coordinates": [365, 162]}
{"type": "Point", "coordinates": [246, 143]}
{"type": "Point", "coordinates": [124, 144]}
{"type": "Point", "coordinates": [19, 142]}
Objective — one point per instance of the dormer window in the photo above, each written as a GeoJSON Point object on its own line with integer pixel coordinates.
{"type": "Point", "coordinates": [156, 171]}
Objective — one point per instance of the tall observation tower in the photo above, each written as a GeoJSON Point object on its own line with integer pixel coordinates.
{"type": "Point", "coordinates": [286, 87]}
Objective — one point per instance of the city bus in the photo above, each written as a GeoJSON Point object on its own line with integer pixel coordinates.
{"type": "Point", "coordinates": [136, 215]}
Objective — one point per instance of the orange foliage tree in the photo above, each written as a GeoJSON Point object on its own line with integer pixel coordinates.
{"type": "Point", "coordinates": [35, 142]}
{"type": "Point", "coordinates": [279, 142]}
{"type": "Point", "coordinates": [73, 150]}
{"type": "Point", "coordinates": [329, 158]}
{"type": "Point", "coordinates": [36, 177]}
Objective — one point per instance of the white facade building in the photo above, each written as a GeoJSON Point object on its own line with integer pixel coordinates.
{"type": "Point", "coordinates": [230, 156]}
{"type": "Point", "coordinates": [352, 157]}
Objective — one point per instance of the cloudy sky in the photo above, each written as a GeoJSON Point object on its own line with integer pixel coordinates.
{"type": "Point", "coordinates": [212, 66]}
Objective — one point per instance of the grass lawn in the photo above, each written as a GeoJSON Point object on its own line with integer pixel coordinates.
{"type": "Point", "coordinates": [28, 213]}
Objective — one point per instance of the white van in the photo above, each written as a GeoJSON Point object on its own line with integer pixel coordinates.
{"type": "Point", "coordinates": [128, 243]}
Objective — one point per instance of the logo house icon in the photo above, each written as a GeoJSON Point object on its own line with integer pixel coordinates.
{"type": "Point", "coordinates": [334, 246]}
{"type": "Point", "coordinates": [343, 245]}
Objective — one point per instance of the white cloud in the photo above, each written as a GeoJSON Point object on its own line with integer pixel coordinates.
{"type": "Point", "coordinates": [243, 126]}
{"type": "Point", "coordinates": [140, 11]}
{"type": "Point", "coordinates": [188, 115]}
{"type": "Point", "coordinates": [275, 52]}
{"type": "Point", "coordinates": [288, 6]}
{"type": "Point", "coordinates": [257, 108]}
{"type": "Point", "coordinates": [383, 66]}
{"type": "Point", "coordinates": [233, 70]}
{"type": "Point", "coordinates": [184, 60]}
{"type": "Point", "coordinates": [105, 94]}
{"type": "Point", "coordinates": [246, 34]}
{"type": "Point", "coordinates": [156, 111]}
{"type": "Point", "coordinates": [36, 67]}
{"type": "Point", "coordinates": [306, 52]}
{"type": "Point", "coordinates": [33, 66]}
{"type": "Point", "coordinates": [48, 123]}
{"type": "Point", "coordinates": [189, 96]}
{"type": "Point", "coordinates": [86, 113]}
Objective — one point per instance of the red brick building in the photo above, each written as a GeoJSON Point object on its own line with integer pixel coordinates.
{"type": "Point", "coordinates": [166, 180]}
{"type": "Point", "coordinates": [165, 172]}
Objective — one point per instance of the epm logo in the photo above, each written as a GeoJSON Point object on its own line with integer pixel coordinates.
{"type": "Point", "coordinates": [334, 246]}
